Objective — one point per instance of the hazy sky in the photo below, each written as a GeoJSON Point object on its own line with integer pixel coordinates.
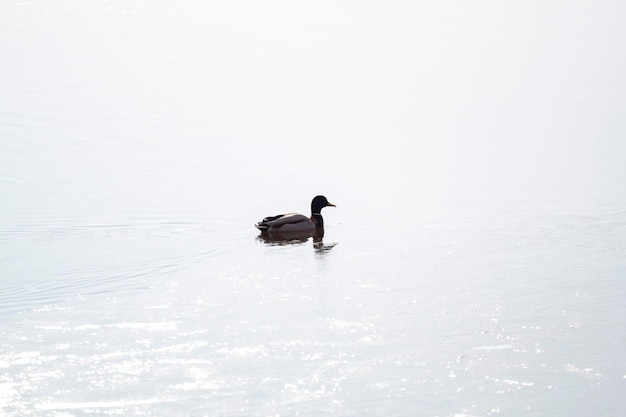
{"type": "Point", "coordinates": [451, 99]}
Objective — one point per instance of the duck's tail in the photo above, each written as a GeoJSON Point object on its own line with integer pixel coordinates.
{"type": "Point", "coordinates": [264, 227]}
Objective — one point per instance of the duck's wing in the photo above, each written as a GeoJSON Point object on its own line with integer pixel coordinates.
{"type": "Point", "coordinates": [281, 220]}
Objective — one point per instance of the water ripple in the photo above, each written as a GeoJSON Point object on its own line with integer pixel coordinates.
{"type": "Point", "coordinates": [50, 262]}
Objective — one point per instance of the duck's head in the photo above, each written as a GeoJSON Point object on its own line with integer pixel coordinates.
{"type": "Point", "coordinates": [318, 203]}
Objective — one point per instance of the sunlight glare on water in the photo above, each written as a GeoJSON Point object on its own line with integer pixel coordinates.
{"type": "Point", "coordinates": [474, 264]}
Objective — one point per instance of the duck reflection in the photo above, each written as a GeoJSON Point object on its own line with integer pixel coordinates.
{"type": "Point", "coordinates": [296, 238]}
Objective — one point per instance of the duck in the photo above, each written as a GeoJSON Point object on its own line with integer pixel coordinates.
{"type": "Point", "coordinates": [295, 222]}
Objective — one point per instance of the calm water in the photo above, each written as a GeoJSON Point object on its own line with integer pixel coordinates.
{"type": "Point", "coordinates": [475, 264]}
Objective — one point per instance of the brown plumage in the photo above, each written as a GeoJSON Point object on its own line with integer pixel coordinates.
{"type": "Point", "coordinates": [294, 222]}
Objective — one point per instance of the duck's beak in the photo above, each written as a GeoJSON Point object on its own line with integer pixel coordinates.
{"type": "Point", "coordinates": [330, 205]}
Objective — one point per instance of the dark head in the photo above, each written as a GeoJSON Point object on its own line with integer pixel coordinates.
{"type": "Point", "coordinates": [318, 204]}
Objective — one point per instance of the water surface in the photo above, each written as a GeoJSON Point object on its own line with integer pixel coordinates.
{"type": "Point", "coordinates": [474, 265]}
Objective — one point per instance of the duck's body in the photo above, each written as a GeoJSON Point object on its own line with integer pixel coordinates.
{"type": "Point", "coordinates": [295, 222]}
{"type": "Point", "coordinates": [290, 222]}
